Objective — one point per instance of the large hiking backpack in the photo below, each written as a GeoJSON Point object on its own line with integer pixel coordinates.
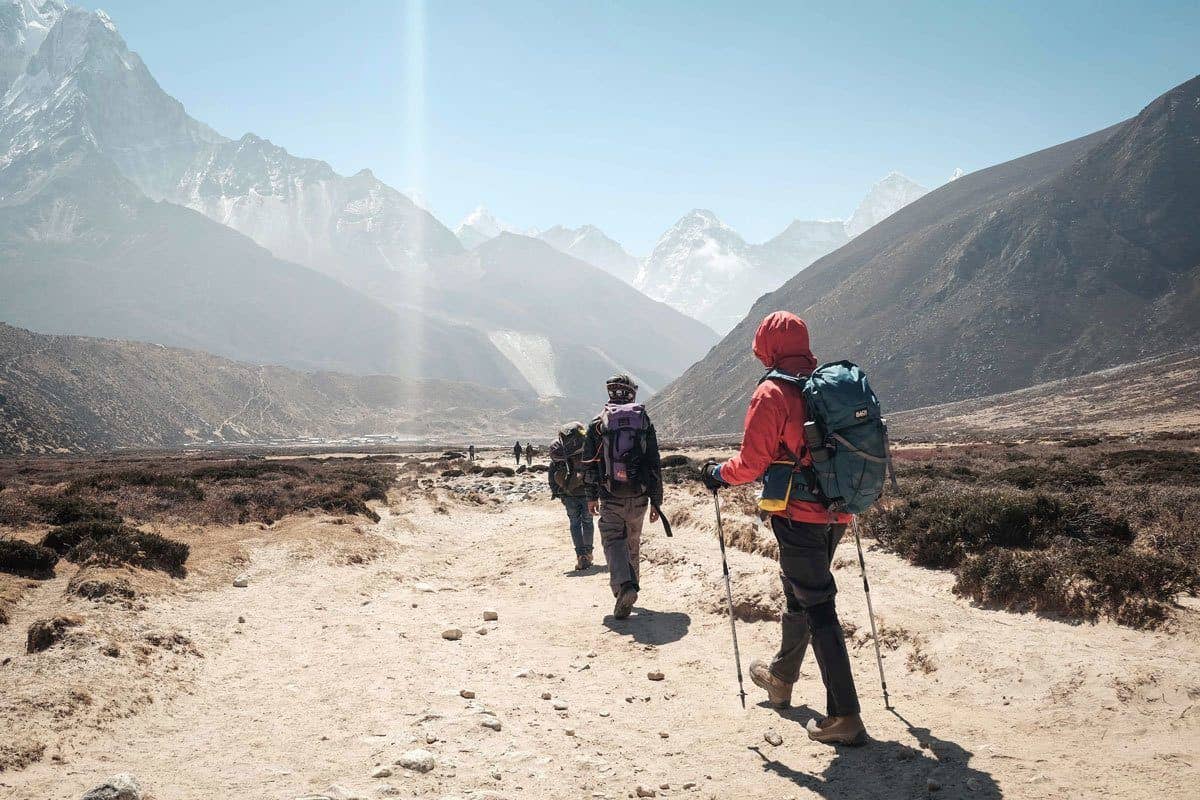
{"type": "Point", "coordinates": [566, 455]}
{"type": "Point", "coordinates": [623, 428]}
{"type": "Point", "coordinates": [846, 436]}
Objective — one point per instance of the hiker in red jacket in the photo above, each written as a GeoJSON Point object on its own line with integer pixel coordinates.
{"type": "Point", "coordinates": [807, 533]}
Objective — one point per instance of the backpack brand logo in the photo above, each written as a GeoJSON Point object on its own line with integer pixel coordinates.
{"type": "Point", "coordinates": [861, 413]}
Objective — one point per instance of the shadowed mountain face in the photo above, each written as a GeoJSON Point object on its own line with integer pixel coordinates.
{"type": "Point", "coordinates": [69, 393]}
{"type": "Point", "coordinates": [1069, 260]}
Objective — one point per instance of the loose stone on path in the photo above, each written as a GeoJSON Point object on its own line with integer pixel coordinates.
{"type": "Point", "coordinates": [417, 760]}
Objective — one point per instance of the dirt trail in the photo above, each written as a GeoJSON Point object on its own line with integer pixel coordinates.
{"type": "Point", "coordinates": [338, 669]}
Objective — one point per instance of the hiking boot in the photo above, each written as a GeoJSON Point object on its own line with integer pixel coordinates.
{"type": "Point", "coordinates": [587, 561]}
{"type": "Point", "coordinates": [838, 730]}
{"type": "Point", "coordinates": [581, 563]}
{"type": "Point", "coordinates": [625, 601]}
{"type": "Point", "coordinates": [779, 694]}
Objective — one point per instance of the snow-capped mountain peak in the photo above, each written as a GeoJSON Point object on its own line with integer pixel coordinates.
{"type": "Point", "coordinates": [885, 198]}
{"type": "Point", "coordinates": [479, 226]}
{"type": "Point", "coordinates": [589, 243]}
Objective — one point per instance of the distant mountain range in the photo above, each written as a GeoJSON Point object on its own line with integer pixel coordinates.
{"type": "Point", "coordinates": [70, 393]}
{"type": "Point", "coordinates": [1069, 260]}
{"type": "Point", "coordinates": [122, 216]}
{"type": "Point", "coordinates": [703, 267]}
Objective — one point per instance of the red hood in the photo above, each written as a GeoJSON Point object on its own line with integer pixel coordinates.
{"type": "Point", "coordinates": [781, 342]}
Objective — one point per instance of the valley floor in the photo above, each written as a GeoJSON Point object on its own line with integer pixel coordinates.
{"type": "Point", "coordinates": [340, 667]}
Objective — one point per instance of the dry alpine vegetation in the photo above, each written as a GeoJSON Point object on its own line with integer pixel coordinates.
{"type": "Point", "coordinates": [408, 625]}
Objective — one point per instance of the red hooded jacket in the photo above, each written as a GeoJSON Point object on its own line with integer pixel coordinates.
{"type": "Point", "coordinates": [775, 420]}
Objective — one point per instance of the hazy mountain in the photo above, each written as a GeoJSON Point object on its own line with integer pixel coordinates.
{"type": "Point", "coordinates": [562, 323]}
{"type": "Point", "coordinates": [84, 79]}
{"type": "Point", "coordinates": [85, 252]}
{"type": "Point", "coordinates": [98, 164]}
{"type": "Point", "coordinates": [69, 393]}
{"type": "Point", "coordinates": [1072, 259]}
{"type": "Point", "coordinates": [884, 199]}
{"type": "Point", "coordinates": [589, 243]}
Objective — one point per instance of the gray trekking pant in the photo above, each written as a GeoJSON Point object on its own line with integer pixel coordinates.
{"type": "Point", "coordinates": [805, 555]}
{"type": "Point", "coordinates": [621, 536]}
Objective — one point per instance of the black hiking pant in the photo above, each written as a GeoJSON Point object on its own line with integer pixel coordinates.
{"type": "Point", "coordinates": [805, 554]}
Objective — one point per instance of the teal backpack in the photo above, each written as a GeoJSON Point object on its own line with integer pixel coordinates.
{"type": "Point", "coordinates": [845, 434]}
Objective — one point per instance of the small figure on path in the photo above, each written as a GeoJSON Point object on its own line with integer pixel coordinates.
{"type": "Point", "coordinates": [567, 484]}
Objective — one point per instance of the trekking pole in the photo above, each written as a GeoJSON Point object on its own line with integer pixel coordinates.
{"type": "Point", "coordinates": [737, 656]}
{"type": "Point", "coordinates": [862, 565]}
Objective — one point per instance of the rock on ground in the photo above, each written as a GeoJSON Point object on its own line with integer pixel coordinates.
{"type": "Point", "coordinates": [119, 787]}
{"type": "Point", "coordinates": [417, 760]}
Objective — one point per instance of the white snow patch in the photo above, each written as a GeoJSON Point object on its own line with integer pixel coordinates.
{"type": "Point", "coordinates": [533, 356]}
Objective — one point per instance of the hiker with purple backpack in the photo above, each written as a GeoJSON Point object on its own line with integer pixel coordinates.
{"type": "Point", "coordinates": [623, 478]}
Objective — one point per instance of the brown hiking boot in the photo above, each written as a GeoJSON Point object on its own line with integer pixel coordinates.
{"type": "Point", "coordinates": [779, 694]}
{"type": "Point", "coordinates": [625, 601]}
{"type": "Point", "coordinates": [580, 563]}
{"type": "Point", "coordinates": [838, 730]}
{"type": "Point", "coordinates": [587, 561]}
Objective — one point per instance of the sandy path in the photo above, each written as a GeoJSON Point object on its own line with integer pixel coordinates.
{"type": "Point", "coordinates": [336, 671]}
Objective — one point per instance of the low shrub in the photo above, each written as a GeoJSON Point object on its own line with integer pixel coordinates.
{"type": "Point", "coordinates": [1029, 551]}
{"type": "Point", "coordinates": [63, 509]}
{"type": "Point", "coordinates": [65, 538]}
{"type": "Point", "coordinates": [173, 487]}
{"type": "Point", "coordinates": [247, 470]}
{"type": "Point", "coordinates": [29, 560]}
{"type": "Point", "coordinates": [135, 548]}
{"type": "Point", "coordinates": [1173, 467]}
{"type": "Point", "coordinates": [495, 472]}
{"type": "Point", "coordinates": [341, 503]}
{"type": "Point", "coordinates": [1066, 477]}
{"type": "Point", "coordinates": [675, 461]}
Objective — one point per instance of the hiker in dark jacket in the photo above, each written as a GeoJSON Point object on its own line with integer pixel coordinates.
{"type": "Point", "coordinates": [807, 533]}
{"type": "Point", "coordinates": [529, 454]}
{"type": "Point", "coordinates": [517, 452]}
{"type": "Point", "coordinates": [471, 452]}
{"type": "Point", "coordinates": [567, 484]}
{"type": "Point", "coordinates": [623, 478]}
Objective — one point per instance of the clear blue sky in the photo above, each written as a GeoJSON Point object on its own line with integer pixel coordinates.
{"type": "Point", "coordinates": [628, 114]}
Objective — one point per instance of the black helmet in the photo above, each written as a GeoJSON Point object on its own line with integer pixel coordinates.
{"type": "Point", "coordinates": [621, 388]}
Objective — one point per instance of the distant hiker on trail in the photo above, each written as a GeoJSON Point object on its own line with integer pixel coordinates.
{"type": "Point", "coordinates": [517, 452]}
{"type": "Point", "coordinates": [528, 455]}
{"type": "Point", "coordinates": [471, 452]}
{"type": "Point", "coordinates": [567, 484]}
{"type": "Point", "coordinates": [623, 478]}
{"type": "Point", "coordinates": [807, 532]}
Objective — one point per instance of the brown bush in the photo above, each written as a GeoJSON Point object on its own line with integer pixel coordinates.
{"type": "Point", "coordinates": [25, 559]}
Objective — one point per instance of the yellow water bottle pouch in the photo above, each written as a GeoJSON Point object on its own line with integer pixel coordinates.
{"type": "Point", "coordinates": [777, 486]}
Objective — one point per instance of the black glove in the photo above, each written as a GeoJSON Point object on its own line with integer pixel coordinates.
{"type": "Point", "coordinates": [710, 473]}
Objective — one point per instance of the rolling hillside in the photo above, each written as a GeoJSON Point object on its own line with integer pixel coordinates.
{"type": "Point", "coordinates": [70, 394]}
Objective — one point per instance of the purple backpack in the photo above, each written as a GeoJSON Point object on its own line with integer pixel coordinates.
{"type": "Point", "coordinates": [624, 429]}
